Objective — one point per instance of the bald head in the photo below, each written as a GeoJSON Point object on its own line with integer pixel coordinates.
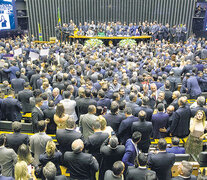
{"type": "Point", "coordinates": [182, 101]}
{"type": "Point", "coordinates": [170, 109]}
{"type": "Point", "coordinates": [77, 146]}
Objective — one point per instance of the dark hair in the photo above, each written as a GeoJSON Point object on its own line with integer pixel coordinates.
{"type": "Point", "coordinates": [175, 141]}
{"type": "Point", "coordinates": [162, 144]}
{"type": "Point", "coordinates": [136, 136]}
{"type": "Point", "coordinates": [114, 107]}
{"type": "Point", "coordinates": [122, 105]}
{"type": "Point", "coordinates": [101, 93]}
{"type": "Point", "coordinates": [37, 92]}
{"type": "Point", "coordinates": [142, 158]}
{"type": "Point", "coordinates": [18, 74]}
{"type": "Point", "coordinates": [160, 107]}
{"type": "Point", "coordinates": [142, 115]}
{"type": "Point", "coordinates": [41, 125]}
{"type": "Point", "coordinates": [16, 126]}
{"type": "Point", "coordinates": [51, 104]}
{"type": "Point", "coordinates": [113, 142]}
{"type": "Point", "coordinates": [132, 96]}
{"type": "Point", "coordinates": [70, 123]}
{"type": "Point", "coordinates": [2, 139]}
{"type": "Point", "coordinates": [118, 167]}
{"type": "Point", "coordinates": [115, 96]}
{"type": "Point", "coordinates": [44, 96]}
{"type": "Point", "coordinates": [67, 94]}
{"type": "Point", "coordinates": [87, 92]}
{"type": "Point", "coordinates": [145, 100]}
{"type": "Point", "coordinates": [99, 110]}
{"type": "Point", "coordinates": [38, 100]}
{"type": "Point", "coordinates": [128, 110]}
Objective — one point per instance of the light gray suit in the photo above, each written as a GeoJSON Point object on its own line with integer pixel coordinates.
{"type": "Point", "coordinates": [38, 143]}
{"type": "Point", "coordinates": [86, 122]}
{"type": "Point", "coordinates": [8, 159]}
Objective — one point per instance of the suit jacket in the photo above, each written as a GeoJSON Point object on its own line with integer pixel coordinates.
{"type": "Point", "coordinates": [193, 87]}
{"type": "Point", "coordinates": [23, 97]}
{"type": "Point", "coordinates": [159, 120]}
{"type": "Point", "coordinates": [148, 111]}
{"type": "Point", "coordinates": [12, 109]}
{"type": "Point", "coordinates": [176, 150]}
{"type": "Point", "coordinates": [145, 128]}
{"type": "Point", "coordinates": [83, 105]}
{"type": "Point", "coordinates": [175, 104]}
{"type": "Point", "coordinates": [37, 115]}
{"type": "Point", "coordinates": [17, 84]}
{"type": "Point", "coordinates": [113, 120]}
{"type": "Point", "coordinates": [161, 163]}
{"type": "Point", "coordinates": [192, 177]}
{"type": "Point", "coordinates": [80, 165]}
{"type": "Point", "coordinates": [181, 122]}
{"type": "Point", "coordinates": [12, 72]}
{"type": "Point", "coordinates": [33, 81]}
{"type": "Point", "coordinates": [109, 157]}
{"type": "Point", "coordinates": [16, 139]}
{"type": "Point", "coordinates": [137, 173]}
{"type": "Point", "coordinates": [65, 138]}
{"type": "Point", "coordinates": [86, 122]}
{"type": "Point", "coordinates": [109, 175]}
{"type": "Point", "coordinates": [130, 153]}
{"type": "Point", "coordinates": [124, 131]}
{"type": "Point", "coordinates": [104, 102]}
{"type": "Point", "coordinates": [57, 99]}
{"type": "Point", "coordinates": [132, 105]}
{"type": "Point", "coordinates": [38, 143]}
{"type": "Point", "coordinates": [51, 127]}
{"type": "Point", "coordinates": [61, 177]}
{"type": "Point", "coordinates": [8, 159]}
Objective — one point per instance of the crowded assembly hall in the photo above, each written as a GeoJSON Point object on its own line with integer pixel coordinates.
{"type": "Point", "coordinates": [103, 90]}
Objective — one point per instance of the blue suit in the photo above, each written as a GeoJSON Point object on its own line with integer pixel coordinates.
{"type": "Point", "coordinates": [159, 120]}
{"type": "Point", "coordinates": [104, 102]}
{"type": "Point", "coordinates": [12, 72]}
{"type": "Point", "coordinates": [58, 99]}
{"type": "Point", "coordinates": [193, 87]}
{"type": "Point", "coordinates": [176, 150]}
{"type": "Point", "coordinates": [130, 153]}
{"type": "Point", "coordinates": [124, 131]}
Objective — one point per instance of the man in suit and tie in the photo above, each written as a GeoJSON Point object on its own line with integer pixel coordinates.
{"type": "Point", "coordinates": [139, 172]}
{"type": "Point", "coordinates": [94, 141]}
{"type": "Point", "coordinates": [131, 150]}
{"type": "Point", "coordinates": [65, 137]}
{"type": "Point", "coordinates": [11, 107]}
{"type": "Point", "coordinates": [175, 147]}
{"type": "Point", "coordinates": [103, 101]}
{"type": "Point", "coordinates": [159, 120]}
{"type": "Point", "coordinates": [12, 70]}
{"type": "Point", "coordinates": [185, 170]}
{"type": "Point", "coordinates": [80, 165]}
{"type": "Point", "coordinates": [8, 158]}
{"type": "Point", "coordinates": [193, 87]}
{"type": "Point", "coordinates": [16, 139]}
{"type": "Point", "coordinates": [145, 128]}
{"type": "Point", "coordinates": [17, 83]}
{"type": "Point", "coordinates": [56, 96]}
{"type": "Point", "coordinates": [24, 96]}
{"type": "Point", "coordinates": [37, 114]}
{"type": "Point", "coordinates": [132, 102]}
{"type": "Point", "coordinates": [34, 78]}
{"type": "Point", "coordinates": [124, 131]}
{"type": "Point", "coordinates": [181, 120]}
{"type": "Point", "coordinates": [87, 120]}
{"type": "Point", "coordinates": [161, 162]}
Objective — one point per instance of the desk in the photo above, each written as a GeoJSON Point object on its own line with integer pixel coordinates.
{"type": "Point", "coordinates": [114, 39]}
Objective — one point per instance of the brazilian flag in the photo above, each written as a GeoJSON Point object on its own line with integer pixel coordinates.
{"type": "Point", "coordinates": [40, 32]}
{"type": "Point", "coordinates": [59, 19]}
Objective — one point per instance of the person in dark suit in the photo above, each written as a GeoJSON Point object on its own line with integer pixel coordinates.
{"type": "Point", "coordinates": [161, 162]}
{"type": "Point", "coordinates": [37, 114]}
{"type": "Point", "coordinates": [175, 97]}
{"type": "Point", "coordinates": [34, 78]}
{"type": "Point", "coordinates": [131, 150]}
{"type": "Point", "coordinates": [173, 82]}
{"type": "Point", "coordinates": [181, 121]}
{"type": "Point", "coordinates": [24, 96]}
{"type": "Point", "coordinates": [144, 107]}
{"type": "Point", "coordinates": [86, 102]}
{"type": "Point", "coordinates": [65, 137]}
{"type": "Point", "coordinates": [201, 101]}
{"type": "Point", "coordinates": [124, 131]}
{"type": "Point", "coordinates": [49, 172]}
{"type": "Point", "coordinates": [49, 114]}
{"type": "Point", "coordinates": [17, 83]}
{"type": "Point", "coordinates": [187, 68]}
{"type": "Point", "coordinates": [16, 139]}
{"type": "Point", "coordinates": [80, 165]}
{"type": "Point", "coordinates": [111, 152]}
{"type": "Point", "coordinates": [113, 119]}
{"type": "Point", "coordinates": [12, 70]}
{"type": "Point", "coordinates": [139, 172]}
{"type": "Point", "coordinates": [103, 101]}
{"type": "Point", "coordinates": [185, 170]}
{"type": "Point", "coordinates": [94, 141]}
{"type": "Point", "coordinates": [132, 102]}
{"type": "Point", "coordinates": [193, 87]}
{"type": "Point", "coordinates": [145, 128]}
{"type": "Point", "coordinates": [11, 107]}
{"type": "Point", "coordinates": [116, 173]}
{"type": "Point", "coordinates": [159, 120]}
{"type": "Point", "coordinates": [175, 147]}
{"type": "Point", "coordinates": [56, 96]}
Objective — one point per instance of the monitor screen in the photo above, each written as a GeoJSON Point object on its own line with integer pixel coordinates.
{"type": "Point", "coordinates": [7, 15]}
